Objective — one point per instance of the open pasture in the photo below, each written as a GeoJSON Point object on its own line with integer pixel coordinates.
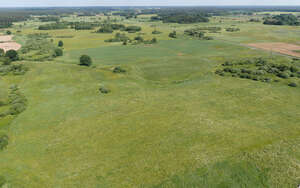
{"type": "Point", "coordinates": [168, 120]}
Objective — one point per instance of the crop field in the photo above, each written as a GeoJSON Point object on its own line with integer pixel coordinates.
{"type": "Point", "coordinates": [179, 112]}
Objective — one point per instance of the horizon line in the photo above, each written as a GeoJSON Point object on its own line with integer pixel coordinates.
{"type": "Point", "coordinates": [150, 6]}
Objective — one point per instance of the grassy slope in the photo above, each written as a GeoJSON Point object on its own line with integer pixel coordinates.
{"type": "Point", "coordinates": [202, 130]}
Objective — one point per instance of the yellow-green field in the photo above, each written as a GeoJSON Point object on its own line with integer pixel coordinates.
{"type": "Point", "coordinates": [169, 121]}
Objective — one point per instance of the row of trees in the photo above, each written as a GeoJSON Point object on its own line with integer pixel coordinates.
{"type": "Point", "coordinates": [181, 18]}
{"type": "Point", "coordinates": [53, 26]}
{"type": "Point", "coordinates": [109, 28]}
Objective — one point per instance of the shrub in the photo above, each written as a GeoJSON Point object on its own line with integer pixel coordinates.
{"type": "Point", "coordinates": [104, 90]}
{"type": "Point", "coordinates": [292, 84]}
{"type": "Point", "coordinates": [231, 29]}
{"type": "Point", "coordinates": [3, 142]}
{"type": "Point", "coordinates": [12, 54]}
{"type": "Point", "coordinates": [294, 69]}
{"type": "Point", "coordinates": [154, 40]}
{"type": "Point", "coordinates": [139, 38]}
{"type": "Point", "coordinates": [119, 70]}
{"type": "Point", "coordinates": [2, 181]}
{"type": "Point", "coordinates": [207, 38]}
{"type": "Point", "coordinates": [117, 26]}
{"type": "Point", "coordinates": [8, 32]}
{"type": "Point", "coordinates": [6, 61]}
{"type": "Point", "coordinates": [17, 101]}
{"type": "Point", "coordinates": [2, 52]}
{"type": "Point", "coordinates": [173, 34]}
{"type": "Point", "coordinates": [133, 29]}
{"type": "Point", "coordinates": [105, 29]}
{"type": "Point", "coordinates": [85, 60]}
{"type": "Point", "coordinates": [58, 52]}
{"type": "Point", "coordinates": [155, 32]}
{"type": "Point", "coordinates": [60, 43]}
{"type": "Point", "coordinates": [282, 75]}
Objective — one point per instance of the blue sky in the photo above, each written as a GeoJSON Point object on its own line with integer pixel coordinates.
{"type": "Point", "coordinates": [43, 3]}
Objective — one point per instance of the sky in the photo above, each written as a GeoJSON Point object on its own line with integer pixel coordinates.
{"type": "Point", "coordinates": [51, 3]}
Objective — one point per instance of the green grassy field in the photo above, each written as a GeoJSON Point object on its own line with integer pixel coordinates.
{"type": "Point", "coordinates": [169, 121]}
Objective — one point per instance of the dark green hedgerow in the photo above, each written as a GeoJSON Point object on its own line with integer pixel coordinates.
{"type": "Point", "coordinates": [259, 69]}
{"type": "Point", "coordinates": [17, 102]}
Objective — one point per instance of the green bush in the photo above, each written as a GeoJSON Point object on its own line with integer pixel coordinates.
{"type": "Point", "coordinates": [2, 181]}
{"type": "Point", "coordinates": [292, 84]}
{"type": "Point", "coordinates": [155, 32]}
{"type": "Point", "coordinates": [173, 34]}
{"type": "Point", "coordinates": [133, 29]}
{"type": "Point", "coordinates": [231, 29]}
{"type": "Point", "coordinates": [283, 75]}
{"type": "Point", "coordinates": [3, 143]}
{"type": "Point", "coordinates": [17, 101]}
{"type": "Point", "coordinates": [2, 52]}
{"type": "Point", "coordinates": [119, 70]}
{"type": "Point", "coordinates": [105, 29]}
{"type": "Point", "coordinates": [58, 52]}
{"type": "Point", "coordinates": [85, 60]}
{"type": "Point", "coordinates": [104, 90]}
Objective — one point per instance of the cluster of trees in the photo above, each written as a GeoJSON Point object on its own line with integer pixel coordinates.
{"type": "Point", "coordinates": [38, 47]}
{"type": "Point", "coordinates": [7, 17]}
{"type": "Point", "coordinates": [84, 25]}
{"type": "Point", "coordinates": [260, 70]}
{"type": "Point", "coordinates": [254, 20]}
{"type": "Point", "coordinates": [109, 28]}
{"type": "Point", "coordinates": [53, 26]}
{"type": "Point", "coordinates": [141, 40]}
{"type": "Point", "coordinates": [5, 23]}
{"type": "Point", "coordinates": [210, 29]}
{"type": "Point", "coordinates": [126, 13]}
{"type": "Point", "coordinates": [197, 33]}
{"type": "Point", "coordinates": [118, 38]}
{"type": "Point", "coordinates": [133, 29]}
{"type": "Point", "coordinates": [232, 29]}
{"type": "Point", "coordinates": [181, 18]}
{"type": "Point", "coordinates": [49, 19]}
{"type": "Point", "coordinates": [14, 69]}
{"type": "Point", "coordinates": [282, 19]}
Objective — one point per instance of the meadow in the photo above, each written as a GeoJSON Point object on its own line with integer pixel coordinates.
{"type": "Point", "coordinates": [169, 120]}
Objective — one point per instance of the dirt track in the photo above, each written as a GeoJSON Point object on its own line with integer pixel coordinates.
{"type": "Point", "coordinates": [279, 47]}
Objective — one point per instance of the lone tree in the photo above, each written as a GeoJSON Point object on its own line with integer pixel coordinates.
{"type": "Point", "coordinates": [12, 55]}
{"type": "Point", "coordinates": [8, 32]}
{"type": "Point", "coordinates": [85, 60]}
{"type": "Point", "coordinates": [60, 43]}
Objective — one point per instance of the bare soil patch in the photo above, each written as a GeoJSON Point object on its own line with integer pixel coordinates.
{"type": "Point", "coordinates": [10, 46]}
{"type": "Point", "coordinates": [6, 43]}
{"type": "Point", "coordinates": [279, 47]}
{"type": "Point", "coordinates": [6, 38]}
